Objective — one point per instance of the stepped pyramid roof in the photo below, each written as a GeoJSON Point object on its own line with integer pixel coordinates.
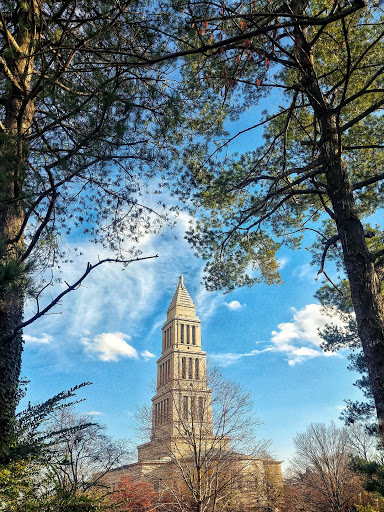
{"type": "Point", "coordinates": [182, 302]}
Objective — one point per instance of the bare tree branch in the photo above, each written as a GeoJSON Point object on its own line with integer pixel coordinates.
{"type": "Point", "coordinates": [72, 287]}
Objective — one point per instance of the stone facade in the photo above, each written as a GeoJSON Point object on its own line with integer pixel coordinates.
{"type": "Point", "coordinates": [182, 422]}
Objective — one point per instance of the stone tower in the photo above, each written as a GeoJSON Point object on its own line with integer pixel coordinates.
{"type": "Point", "coordinates": [182, 395]}
{"type": "Point", "coordinates": [182, 430]}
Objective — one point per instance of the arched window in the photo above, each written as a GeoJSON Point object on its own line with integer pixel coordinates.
{"type": "Point", "coordinates": [193, 335]}
{"type": "Point", "coordinates": [187, 327]}
{"type": "Point", "coordinates": [181, 333]}
{"type": "Point", "coordinates": [183, 367]}
{"type": "Point", "coordinates": [190, 368]}
{"type": "Point", "coordinates": [201, 408]}
{"type": "Point", "coordinates": [196, 368]}
{"type": "Point", "coordinates": [185, 407]}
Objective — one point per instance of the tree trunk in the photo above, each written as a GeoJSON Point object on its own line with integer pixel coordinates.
{"type": "Point", "coordinates": [10, 364]}
{"type": "Point", "coordinates": [19, 113]}
{"type": "Point", "coordinates": [364, 283]}
{"type": "Point", "coordinates": [11, 282]}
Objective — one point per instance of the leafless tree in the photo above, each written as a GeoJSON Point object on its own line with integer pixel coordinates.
{"type": "Point", "coordinates": [82, 454]}
{"type": "Point", "coordinates": [214, 450]}
{"type": "Point", "coordinates": [364, 444]}
{"type": "Point", "coordinates": [321, 477]}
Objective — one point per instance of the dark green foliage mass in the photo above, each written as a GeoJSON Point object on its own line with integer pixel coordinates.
{"type": "Point", "coordinates": [318, 156]}
{"type": "Point", "coordinates": [372, 473]}
{"type": "Point", "coordinates": [83, 124]}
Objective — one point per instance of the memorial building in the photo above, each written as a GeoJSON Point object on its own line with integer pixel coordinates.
{"type": "Point", "coordinates": [187, 453]}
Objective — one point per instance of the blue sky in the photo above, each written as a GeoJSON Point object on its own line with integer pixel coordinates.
{"type": "Point", "coordinates": [265, 337]}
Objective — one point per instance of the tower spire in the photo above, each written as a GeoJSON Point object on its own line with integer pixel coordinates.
{"type": "Point", "coordinates": [181, 305]}
{"type": "Point", "coordinates": [181, 392]}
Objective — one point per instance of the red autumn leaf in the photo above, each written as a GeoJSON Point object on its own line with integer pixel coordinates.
{"type": "Point", "coordinates": [257, 82]}
{"type": "Point", "coordinates": [206, 24]}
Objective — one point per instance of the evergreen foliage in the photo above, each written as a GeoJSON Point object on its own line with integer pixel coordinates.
{"type": "Point", "coordinates": [55, 458]}
{"type": "Point", "coordinates": [83, 124]}
{"type": "Point", "coordinates": [318, 165]}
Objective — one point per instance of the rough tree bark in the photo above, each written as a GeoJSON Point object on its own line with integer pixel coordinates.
{"type": "Point", "coordinates": [364, 283]}
{"type": "Point", "coordinates": [19, 113]}
{"type": "Point", "coordinates": [359, 263]}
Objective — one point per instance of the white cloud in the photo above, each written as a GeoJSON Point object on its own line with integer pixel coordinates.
{"type": "Point", "coordinates": [109, 346]}
{"type": "Point", "coordinates": [298, 340]}
{"type": "Point", "coordinates": [43, 339]}
{"type": "Point", "coordinates": [282, 262]}
{"type": "Point", "coordinates": [305, 326]}
{"type": "Point", "coordinates": [234, 305]}
{"type": "Point", "coordinates": [112, 297]}
{"type": "Point", "coordinates": [206, 303]}
{"type": "Point", "coordinates": [231, 358]}
{"type": "Point", "coordinates": [147, 355]}
{"type": "Point", "coordinates": [306, 272]}
{"type": "Point", "coordinates": [93, 413]}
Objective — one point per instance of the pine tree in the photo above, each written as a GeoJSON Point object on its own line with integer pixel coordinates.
{"type": "Point", "coordinates": [319, 165]}
{"type": "Point", "coordinates": [82, 129]}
